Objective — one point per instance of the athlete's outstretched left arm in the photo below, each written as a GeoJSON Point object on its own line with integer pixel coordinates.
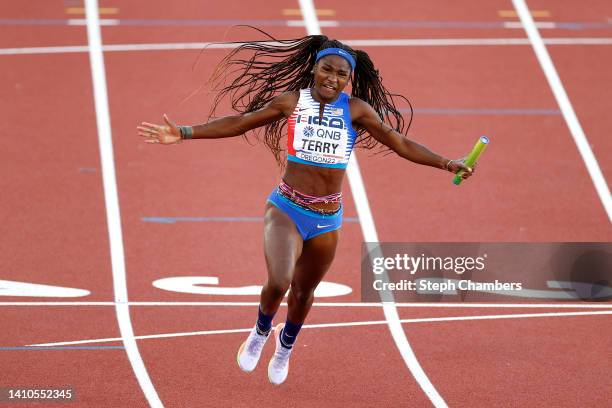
{"type": "Point", "coordinates": [363, 115]}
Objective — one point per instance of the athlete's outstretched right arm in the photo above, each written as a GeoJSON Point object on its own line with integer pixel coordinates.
{"type": "Point", "coordinates": [228, 126]}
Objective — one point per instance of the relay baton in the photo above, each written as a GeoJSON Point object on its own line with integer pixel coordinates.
{"type": "Point", "coordinates": [472, 157]}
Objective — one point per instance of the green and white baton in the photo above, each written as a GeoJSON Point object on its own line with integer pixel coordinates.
{"type": "Point", "coordinates": [479, 147]}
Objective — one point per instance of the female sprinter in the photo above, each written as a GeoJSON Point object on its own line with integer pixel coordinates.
{"type": "Point", "coordinates": [298, 84]}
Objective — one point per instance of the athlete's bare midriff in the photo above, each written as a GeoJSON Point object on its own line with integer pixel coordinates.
{"type": "Point", "coordinates": [315, 181]}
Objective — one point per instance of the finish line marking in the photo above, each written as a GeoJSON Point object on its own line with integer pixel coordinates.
{"type": "Point", "coordinates": [331, 304]}
{"type": "Point", "coordinates": [331, 325]}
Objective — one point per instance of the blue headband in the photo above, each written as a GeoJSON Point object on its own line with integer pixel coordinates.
{"type": "Point", "coordinates": [337, 51]}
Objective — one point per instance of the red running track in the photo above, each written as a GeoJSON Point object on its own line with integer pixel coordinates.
{"type": "Point", "coordinates": [531, 187]}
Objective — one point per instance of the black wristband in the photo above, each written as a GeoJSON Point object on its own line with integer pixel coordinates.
{"type": "Point", "coordinates": [186, 132]}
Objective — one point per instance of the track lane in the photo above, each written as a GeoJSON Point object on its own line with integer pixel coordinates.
{"type": "Point", "coordinates": [20, 25]}
{"type": "Point", "coordinates": [326, 367]}
{"type": "Point", "coordinates": [589, 96]}
{"type": "Point", "coordinates": [98, 376]}
{"type": "Point", "coordinates": [522, 362]}
{"type": "Point", "coordinates": [161, 251]}
{"type": "Point", "coordinates": [521, 193]}
{"type": "Point", "coordinates": [55, 231]}
{"type": "Point", "coordinates": [522, 198]}
{"type": "Point", "coordinates": [50, 153]}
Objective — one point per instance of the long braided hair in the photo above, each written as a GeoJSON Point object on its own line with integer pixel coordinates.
{"type": "Point", "coordinates": [261, 70]}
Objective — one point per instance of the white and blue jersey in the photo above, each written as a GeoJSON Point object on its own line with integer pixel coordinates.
{"type": "Point", "coordinates": [323, 142]}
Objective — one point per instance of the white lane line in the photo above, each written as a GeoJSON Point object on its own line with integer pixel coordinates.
{"type": "Point", "coordinates": [398, 42]}
{"type": "Point", "coordinates": [101, 21]}
{"type": "Point", "coordinates": [335, 304]}
{"type": "Point", "coordinates": [332, 325]}
{"type": "Point", "coordinates": [370, 235]}
{"type": "Point", "coordinates": [113, 215]}
{"type": "Point", "coordinates": [302, 23]}
{"type": "Point", "coordinates": [44, 50]}
{"type": "Point", "coordinates": [446, 42]}
{"type": "Point", "coordinates": [541, 24]}
{"type": "Point", "coordinates": [169, 46]}
{"type": "Point", "coordinates": [566, 106]}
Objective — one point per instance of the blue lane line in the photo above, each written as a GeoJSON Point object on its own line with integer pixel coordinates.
{"type": "Point", "coordinates": [340, 23]}
{"type": "Point", "coordinates": [172, 220]}
{"type": "Point", "coordinates": [32, 21]}
{"type": "Point", "coordinates": [63, 348]}
{"type": "Point", "coordinates": [510, 112]}
{"type": "Point", "coordinates": [582, 26]}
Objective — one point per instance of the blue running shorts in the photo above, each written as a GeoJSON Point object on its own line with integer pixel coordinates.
{"type": "Point", "coordinates": [309, 223]}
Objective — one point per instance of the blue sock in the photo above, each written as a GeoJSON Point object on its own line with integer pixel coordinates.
{"type": "Point", "coordinates": [289, 333]}
{"type": "Point", "coordinates": [264, 323]}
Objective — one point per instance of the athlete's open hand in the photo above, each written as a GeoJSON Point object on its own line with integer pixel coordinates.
{"type": "Point", "coordinates": [168, 134]}
{"type": "Point", "coordinates": [457, 165]}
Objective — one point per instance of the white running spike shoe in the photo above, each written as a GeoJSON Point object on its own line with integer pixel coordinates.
{"type": "Point", "coordinates": [250, 351]}
{"type": "Point", "coordinates": [278, 368]}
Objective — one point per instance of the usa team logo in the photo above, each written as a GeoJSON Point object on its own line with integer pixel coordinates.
{"type": "Point", "coordinates": [308, 131]}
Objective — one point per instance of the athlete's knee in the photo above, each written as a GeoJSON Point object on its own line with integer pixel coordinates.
{"type": "Point", "coordinates": [302, 296]}
{"type": "Point", "coordinates": [277, 287]}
